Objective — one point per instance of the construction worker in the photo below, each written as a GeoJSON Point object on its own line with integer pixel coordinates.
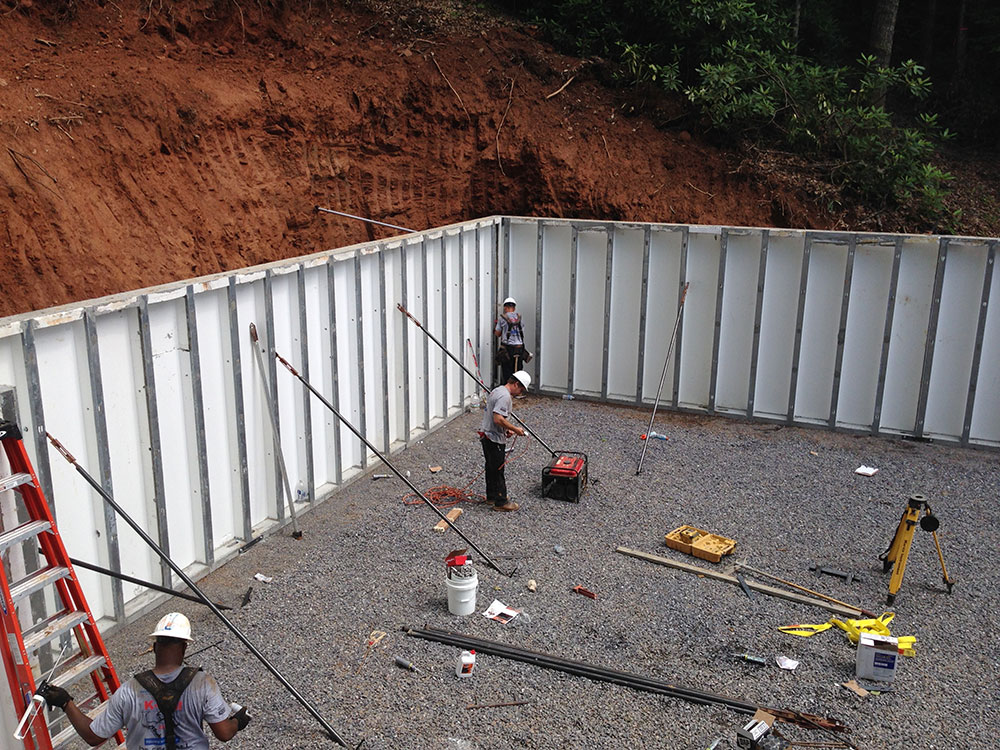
{"type": "Point", "coordinates": [162, 707]}
{"type": "Point", "coordinates": [511, 353]}
{"type": "Point", "coordinates": [495, 431]}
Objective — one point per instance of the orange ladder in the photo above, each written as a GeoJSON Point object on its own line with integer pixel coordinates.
{"type": "Point", "coordinates": [21, 647]}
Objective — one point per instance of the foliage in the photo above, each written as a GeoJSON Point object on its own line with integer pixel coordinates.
{"type": "Point", "coordinates": [736, 63]}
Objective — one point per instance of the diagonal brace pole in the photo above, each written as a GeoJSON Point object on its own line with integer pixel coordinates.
{"type": "Point", "coordinates": [663, 375]}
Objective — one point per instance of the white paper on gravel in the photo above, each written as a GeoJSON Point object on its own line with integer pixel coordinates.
{"type": "Point", "coordinates": [866, 471]}
{"type": "Point", "coordinates": [501, 612]}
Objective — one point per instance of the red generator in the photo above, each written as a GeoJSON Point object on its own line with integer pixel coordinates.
{"type": "Point", "coordinates": [565, 478]}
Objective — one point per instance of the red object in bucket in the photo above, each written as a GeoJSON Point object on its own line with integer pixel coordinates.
{"type": "Point", "coordinates": [456, 557]}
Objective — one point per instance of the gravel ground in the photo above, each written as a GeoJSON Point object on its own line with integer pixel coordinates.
{"type": "Point", "coordinates": [789, 497]}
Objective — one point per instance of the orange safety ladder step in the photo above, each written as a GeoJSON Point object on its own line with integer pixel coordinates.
{"type": "Point", "coordinates": [72, 624]}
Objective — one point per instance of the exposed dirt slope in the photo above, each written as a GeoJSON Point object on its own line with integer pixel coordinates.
{"type": "Point", "coordinates": [148, 143]}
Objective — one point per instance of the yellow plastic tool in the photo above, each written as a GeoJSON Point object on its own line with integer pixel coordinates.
{"type": "Point", "coordinates": [854, 628]}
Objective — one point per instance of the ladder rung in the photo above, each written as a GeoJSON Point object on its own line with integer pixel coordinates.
{"type": "Point", "coordinates": [14, 480]}
{"type": "Point", "coordinates": [52, 629]}
{"type": "Point", "coordinates": [19, 534]}
{"type": "Point", "coordinates": [69, 733]}
{"type": "Point", "coordinates": [37, 580]}
{"type": "Point", "coordinates": [78, 670]}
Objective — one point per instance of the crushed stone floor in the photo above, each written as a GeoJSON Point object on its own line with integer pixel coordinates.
{"type": "Point", "coordinates": [789, 496]}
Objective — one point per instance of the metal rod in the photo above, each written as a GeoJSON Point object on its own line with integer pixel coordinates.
{"type": "Point", "coordinates": [140, 582]}
{"type": "Point", "coordinates": [663, 375]}
{"type": "Point", "coordinates": [471, 375]}
{"type": "Point", "coordinates": [321, 210]}
{"type": "Point", "coordinates": [626, 679]}
{"type": "Point", "coordinates": [191, 585]}
{"type": "Point", "coordinates": [865, 612]}
{"type": "Point", "coordinates": [271, 406]}
{"type": "Point", "coordinates": [385, 460]}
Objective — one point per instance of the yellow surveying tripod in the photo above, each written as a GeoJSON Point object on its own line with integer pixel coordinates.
{"type": "Point", "coordinates": [899, 549]}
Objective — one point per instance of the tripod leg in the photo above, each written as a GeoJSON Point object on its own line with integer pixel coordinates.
{"type": "Point", "coordinates": [901, 548]}
{"type": "Point", "coordinates": [947, 581]}
{"type": "Point", "coordinates": [893, 552]}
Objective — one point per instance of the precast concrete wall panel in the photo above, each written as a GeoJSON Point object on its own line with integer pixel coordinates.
{"type": "Point", "coordinates": [958, 314]}
{"type": "Point", "coordinates": [819, 322]}
{"type": "Point", "coordinates": [623, 323]}
{"type": "Point", "coordinates": [735, 325]}
{"type": "Point", "coordinates": [551, 361]}
{"type": "Point", "coordinates": [663, 284]}
{"type": "Point", "coordinates": [695, 339]}
{"type": "Point", "coordinates": [778, 321]}
{"type": "Point", "coordinates": [588, 317]}
{"type": "Point", "coordinates": [907, 346]}
{"type": "Point", "coordinates": [982, 423]}
{"type": "Point", "coordinates": [865, 325]}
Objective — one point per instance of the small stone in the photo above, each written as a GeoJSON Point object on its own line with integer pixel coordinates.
{"type": "Point", "coordinates": [532, 585]}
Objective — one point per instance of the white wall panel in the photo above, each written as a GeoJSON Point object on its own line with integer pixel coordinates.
{"type": "Point", "coordinates": [623, 341]}
{"type": "Point", "coordinates": [779, 312]}
{"type": "Point", "coordinates": [695, 344]}
{"type": "Point", "coordinates": [985, 419]}
{"type": "Point", "coordinates": [552, 356]}
{"type": "Point", "coordinates": [662, 300]}
{"type": "Point", "coordinates": [588, 314]}
{"type": "Point", "coordinates": [909, 332]}
{"type": "Point", "coordinates": [820, 326]}
{"type": "Point", "coordinates": [869, 295]}
{"type": "Point", "coordinates": [953, 346]}
{"type": "Point", "coordinates": [739, 303]}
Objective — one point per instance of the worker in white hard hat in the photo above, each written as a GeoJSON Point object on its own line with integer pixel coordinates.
{"type": "Point", "coordinates": [495, 432]}
{"type": "Point", "coordinates": [511, 354]}
{"type": "Point", "coordinates": [163, 707]}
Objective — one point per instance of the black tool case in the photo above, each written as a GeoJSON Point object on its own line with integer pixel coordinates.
{"type": "Point", "coordinates": [565, 478]}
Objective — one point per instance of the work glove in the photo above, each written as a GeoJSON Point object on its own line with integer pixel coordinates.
{"type": "Point", "coordinates": [242, 718]}
{"type": "Point", "coordinates": [55, 696]}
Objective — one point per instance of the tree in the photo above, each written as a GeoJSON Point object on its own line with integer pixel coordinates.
{"type": "Point", "coordinates": [880, 41]}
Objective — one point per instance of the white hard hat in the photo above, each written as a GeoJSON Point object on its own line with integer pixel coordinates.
{"type": "Point", "coordinates": [523, 378]}
{"type": "Point", "coordinates": [174, 625]}
{"type": "Point", "coordinates": [510, 301]}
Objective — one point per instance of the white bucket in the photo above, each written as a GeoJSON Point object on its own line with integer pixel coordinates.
{"type": "Point", "coordinates": [462, 594]}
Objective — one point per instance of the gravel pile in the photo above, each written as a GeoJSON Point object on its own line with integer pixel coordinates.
{"type": "Point", "coordinates": [789, 497]}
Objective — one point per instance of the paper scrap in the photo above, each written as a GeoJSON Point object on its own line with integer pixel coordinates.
{"type": "Point", "coordinates": [785, 663]}
{"type": "Point", "coordinates": [434, 469]}
{"type": "Point", "coordinates": [501, 612]}
{"type": "Point", "coordinates": [866, 471]}
{"type": "Point", "coordinates": [262, 578]}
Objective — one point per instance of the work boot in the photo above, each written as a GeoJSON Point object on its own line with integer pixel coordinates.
{"type": "Point", "coordinates": [507, 507]}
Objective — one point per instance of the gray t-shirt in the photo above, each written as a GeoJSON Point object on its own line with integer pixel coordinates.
{"type": "Point", "coordinates": [134, 709]}
{"type": "Point", "coordinates": [498, 402]}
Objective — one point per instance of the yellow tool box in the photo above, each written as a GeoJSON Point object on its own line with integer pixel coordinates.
{"type": "Point", "coordinates": [700, 543]}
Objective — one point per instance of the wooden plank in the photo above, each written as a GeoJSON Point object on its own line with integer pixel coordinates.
{"type": "Point", "coordinates": [442, 526]}
{"type": "Point", "coordinates": [761, 587]}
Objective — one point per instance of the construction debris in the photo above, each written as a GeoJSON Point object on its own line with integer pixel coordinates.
{"type": "Point", "coordinates": [844, 610]}
{"type": "Point", "coordinates": [442, 525]}
{"type": "Point", "coordinates": [700, 543]}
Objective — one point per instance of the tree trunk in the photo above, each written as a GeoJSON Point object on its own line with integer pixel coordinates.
{"type": "Point", "coordinates": [795, 22]}
{"type": "Point", "coordinates": [883, 29]}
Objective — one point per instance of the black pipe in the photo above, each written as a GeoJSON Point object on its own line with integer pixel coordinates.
{"type": "Point", "coordinates": [469, 373]}
{"type": "Point", "coordinates": [396, 471]}
{"type": "Point", "coordinates": [626, 679]}
{"type": "Point", "coordinates": [191, 585]}
{"type": "Point", "coordinates": [140, 582]}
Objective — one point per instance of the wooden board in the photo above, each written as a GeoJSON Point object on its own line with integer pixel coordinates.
{"type": "Point", "coordinates": [442, 525]}
{"type": "Point", "coordinates": [761, 587]}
